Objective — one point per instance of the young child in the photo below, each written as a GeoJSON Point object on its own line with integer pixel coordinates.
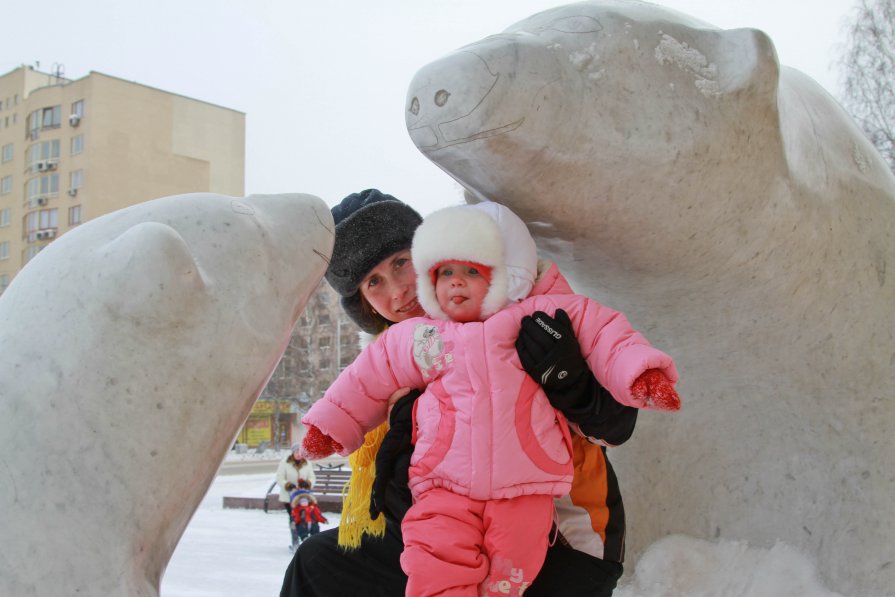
{"type": "Point", "coordinates": [306, 514]}
{"type": "Point", "coordinates": [303, 488]}
{"type": "Point", "coordinates": [295, 491]}
{"type": "Point", "coordinates": [490, 452]}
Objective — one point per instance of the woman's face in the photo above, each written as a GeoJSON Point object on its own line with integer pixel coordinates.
{"type": "Point", "coordinates": [390, 288]}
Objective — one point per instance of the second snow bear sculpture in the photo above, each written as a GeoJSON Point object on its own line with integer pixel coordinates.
{"type": "Point", "coordinates": [678, 173]}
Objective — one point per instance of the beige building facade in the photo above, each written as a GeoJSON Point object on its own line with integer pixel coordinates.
{"type": "Point", "coordinates": [73, 150]}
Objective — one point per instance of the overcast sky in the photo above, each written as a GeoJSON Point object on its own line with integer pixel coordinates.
{"type": "Point", "coordinates": [323, 84]}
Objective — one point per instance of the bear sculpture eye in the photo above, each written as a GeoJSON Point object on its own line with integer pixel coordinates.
{"type": "Point", "coordinates": [441, 97]}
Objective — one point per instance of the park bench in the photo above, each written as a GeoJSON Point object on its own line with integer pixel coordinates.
{"type": "Point", "coordinates": [329, 488]}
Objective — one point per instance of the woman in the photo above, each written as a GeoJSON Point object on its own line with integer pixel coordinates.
{"type": "Point", "coordinates": [290, 469]}
{"type": "Point", "coordinates": [372, 271]}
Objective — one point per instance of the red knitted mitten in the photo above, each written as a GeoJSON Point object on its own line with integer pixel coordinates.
{"type": "Point", "coordinates": [316, 445]}
{"type": "Point", "coordinates": [653, 390]}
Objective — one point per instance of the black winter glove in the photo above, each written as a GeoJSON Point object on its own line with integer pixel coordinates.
{"type": "Point", "coordinates": [549, 352]}
{"type": "Point", "coordinates": [390, 492]}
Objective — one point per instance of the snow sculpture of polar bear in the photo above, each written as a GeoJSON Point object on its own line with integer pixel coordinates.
{"type": "Point", "coordinates": [133, 349]}
{"type": "Point", "coordinates": [739, 217]}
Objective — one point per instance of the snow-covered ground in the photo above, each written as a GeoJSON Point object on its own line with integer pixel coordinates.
{"type": "Point", "coordinates": [232, 553]}
{"type": "Point", "coordinates": [243, 553]}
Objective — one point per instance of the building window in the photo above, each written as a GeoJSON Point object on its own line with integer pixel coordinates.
{"type": "Point", "coordinates": [45, 118]}
{"type": "Point", "coordinates": [40, 186]}
{"type": "Point", "coordinates": [49, 218]}
{"type": "Point", "coordinates": [6, 185]}
{"type": "Point", "coordinates": [8, 153]}
{"type": "Point", "coordinates": [51, 118]}
{"type": "Point", "coordinates": [323, 318]}
{"type": "Point", "coordinates": [74, 215]}
{"type": "Point", "coordinates": [4, 282]}
{"type": "Point", "coordinates": [4, 217]}
{"type": "Point", "coordinates": [77, 108]}
{"type": "Point", "coordinates": [40, 220]}
{"type": "Point", "coordinates": [43, 156]}
{"type": "Point", "coordinates": [324, 342]}
{"type": "Point", "coordinates": [4, 250]}
{"type": "Point", "coordinates": [49, 150]}
{"type": "Point", "coordinates": [49, 184]}
{"type": "Point", "coordinates": [75, 180]}
{"type": "Point", "coordinates": [77, 144]}
{"type": "Point", "coordinates": [325, 364]}
{"type": "Point", "coordinates": [34, 124]}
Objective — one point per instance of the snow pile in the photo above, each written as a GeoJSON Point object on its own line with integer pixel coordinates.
{"type": "Point", "coordinates": [678, 565]}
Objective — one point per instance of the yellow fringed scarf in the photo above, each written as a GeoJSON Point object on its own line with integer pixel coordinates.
{"type": "Point", "coordinates": [356, 521]}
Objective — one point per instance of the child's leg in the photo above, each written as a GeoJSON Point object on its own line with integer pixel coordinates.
{"type": "Point", "coordinates": [516, 538]}
{"type": "Point", "coordinates": [443, 545]}
{"type": "Point", "coordinates": [292, 530]}
{"type": "Point", "coordinates": [315, 527]}
{"type": "Point", "coordinates": [302, 530]}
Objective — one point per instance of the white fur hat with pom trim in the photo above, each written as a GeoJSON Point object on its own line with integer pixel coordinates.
{"type": "Point", "coordinates": [486, 233]}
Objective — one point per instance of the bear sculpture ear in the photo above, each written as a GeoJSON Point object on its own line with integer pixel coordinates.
{"type": "Point", "coordinates": [155, 280]}
{"type": "Point", "coordinates": [747, 61]}
{"type": "Point", "coordinates": [722, 62]}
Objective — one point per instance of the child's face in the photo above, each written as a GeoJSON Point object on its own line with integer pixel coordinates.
{"type": "Point", "coordinates": [460, 289]}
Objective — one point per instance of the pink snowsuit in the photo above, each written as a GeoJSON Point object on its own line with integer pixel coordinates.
{"type": "Point", "coordinates": [486, 433]}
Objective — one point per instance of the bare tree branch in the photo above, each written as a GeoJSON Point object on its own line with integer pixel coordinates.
{"type": "Point", "coordinates": [867, 72]}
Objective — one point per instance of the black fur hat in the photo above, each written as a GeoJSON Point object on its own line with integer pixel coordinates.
{"type": "Point", "coordinates": [370, 226]}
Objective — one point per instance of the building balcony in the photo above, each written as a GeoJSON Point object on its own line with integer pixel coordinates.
{"type": "Point", "coordinates": [41, 234]}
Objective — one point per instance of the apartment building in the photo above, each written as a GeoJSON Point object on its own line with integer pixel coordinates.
{"type": "Point", "coordinates": [72, 150]}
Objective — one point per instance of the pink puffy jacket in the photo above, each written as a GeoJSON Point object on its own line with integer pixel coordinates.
{"type": "Point", "coordinates": [485, 428]}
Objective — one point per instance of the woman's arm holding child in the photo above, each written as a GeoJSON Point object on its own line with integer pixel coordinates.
{"type": "Point", "coordinates": [640, 376]}
{"type": "Point", "coordinates": [578, 395]}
